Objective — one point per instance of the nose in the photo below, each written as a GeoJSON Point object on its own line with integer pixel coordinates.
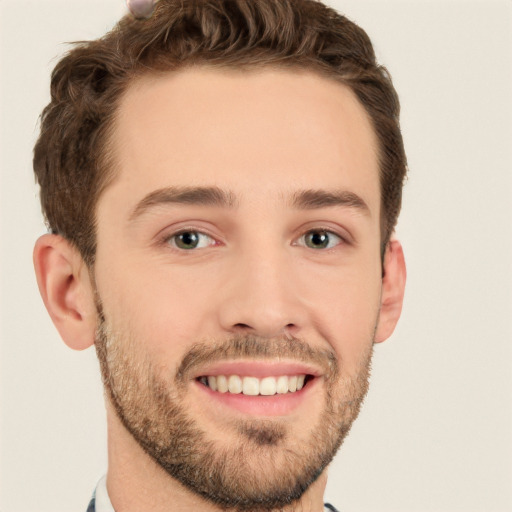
{"type": "Point", "coordinates": [260, 296]}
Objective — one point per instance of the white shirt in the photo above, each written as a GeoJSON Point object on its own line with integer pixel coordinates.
{"type": "Point", "coordinates": [103, 503]}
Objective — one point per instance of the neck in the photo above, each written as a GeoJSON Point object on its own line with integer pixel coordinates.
{"type": "Point", "coordinates": [136, 483]}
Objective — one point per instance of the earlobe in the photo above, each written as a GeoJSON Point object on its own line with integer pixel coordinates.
{"type": "Point", "coordinates": [66, 290]}
{"type": "Point", "coordinates": [393, 289]}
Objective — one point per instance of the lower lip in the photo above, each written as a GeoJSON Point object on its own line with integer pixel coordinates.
{"type": "Point", "coordinates": [275, 405]}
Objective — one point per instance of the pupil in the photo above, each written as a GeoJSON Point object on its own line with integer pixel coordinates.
{"type": "Point", "coordinates": [319, 239]}
{"type": "Point", "coordinates": [188, 240]}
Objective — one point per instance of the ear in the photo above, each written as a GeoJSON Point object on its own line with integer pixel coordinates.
{"type": "Point", "coordinates": [66, 289]}
{"type": "Point", "coordinates": [393, 288]}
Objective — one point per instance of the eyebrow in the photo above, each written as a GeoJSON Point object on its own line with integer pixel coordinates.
{"type": "Point", "coordinates": [215, 196]}
{"type": "Point", "coordinates": [203, 196]}
{"type": "Point", "coordinates": [316, 199]}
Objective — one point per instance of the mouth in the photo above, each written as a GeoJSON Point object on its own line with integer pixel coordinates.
{"type": "Point", "coordinates": [255, 386]}
{"type": "Point", "coordinates": [259, 388]}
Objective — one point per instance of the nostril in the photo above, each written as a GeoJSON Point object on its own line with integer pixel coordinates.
{"type": "Point", "coordinates": [242, 326]}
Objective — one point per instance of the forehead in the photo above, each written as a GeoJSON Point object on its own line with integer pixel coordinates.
{"type": "Point", "coordinates": [260, 133]}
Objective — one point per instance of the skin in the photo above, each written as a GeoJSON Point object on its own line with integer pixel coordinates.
{"type": "Point", "coordinates": [254, 273]}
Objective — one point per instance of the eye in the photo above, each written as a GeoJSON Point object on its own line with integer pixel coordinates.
{"type": "Point", "coordinates": [188, 240]}
{"type": "Point", "coordinates": [320, 239]}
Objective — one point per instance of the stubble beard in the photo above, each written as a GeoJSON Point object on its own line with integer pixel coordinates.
{"type": "Point", "coordinates": [263, 468]}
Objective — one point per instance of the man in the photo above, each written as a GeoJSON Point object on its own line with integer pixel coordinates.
{"type": "Point", "coordinates": [221, 182]}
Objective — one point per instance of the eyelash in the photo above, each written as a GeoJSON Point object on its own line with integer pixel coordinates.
{"type": "Point", "coordinates": [170, 239]}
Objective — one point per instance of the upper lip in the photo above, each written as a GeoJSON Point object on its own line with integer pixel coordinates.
{"type": "Point", "coordinates": [258, 368]}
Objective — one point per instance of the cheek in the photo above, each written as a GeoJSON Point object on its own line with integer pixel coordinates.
{"type": "Point", "coordinates": [164, 309]}
{"type": "Point", "coordinates": [347, 313]}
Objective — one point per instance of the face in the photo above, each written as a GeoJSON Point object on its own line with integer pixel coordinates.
{"type": "Point", "coordinates": [238, 277]}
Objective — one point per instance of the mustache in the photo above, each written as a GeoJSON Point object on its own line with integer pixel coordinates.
{"type": "Point", "coordinates": [251, 346]}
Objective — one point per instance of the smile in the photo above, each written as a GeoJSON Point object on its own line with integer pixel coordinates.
{"type": "Point", "coordinates": [254, 386]}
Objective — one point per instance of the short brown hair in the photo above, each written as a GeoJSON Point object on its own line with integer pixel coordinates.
{"type": "Point", "coordinates": [71, 157]}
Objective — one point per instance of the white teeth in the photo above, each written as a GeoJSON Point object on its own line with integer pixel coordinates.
{"type": "Point", "coordinates": [252, 386]}
{"type": "Point", "coordinates": [282, 385]}
{"type": "Point", "coordinates": [212, 382]}
{"type": "Point", "coordinates": [235, 384]}
{"type": "Point", "coordinates": [268, 386]}
{"type": "Point", "coordinates": [222, 384]}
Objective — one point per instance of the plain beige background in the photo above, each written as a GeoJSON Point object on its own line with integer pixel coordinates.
{"type": "Point", "coordinates": [435, 434]}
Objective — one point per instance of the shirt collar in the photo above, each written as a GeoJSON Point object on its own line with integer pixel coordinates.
{"type": "Point", "coordinates": [102, 501]}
